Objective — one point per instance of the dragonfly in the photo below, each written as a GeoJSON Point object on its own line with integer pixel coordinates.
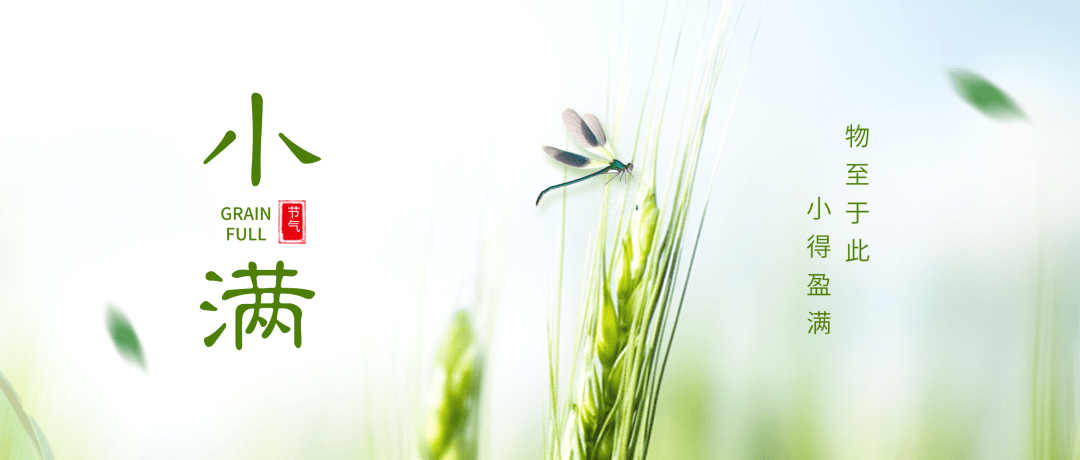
{"type": "Point", "coordinates": [589, 134]}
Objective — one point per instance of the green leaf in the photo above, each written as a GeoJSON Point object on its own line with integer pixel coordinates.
{"type": "Point", "coordinates": [983, 95]}
{"type": "Point", "coordinates": [43, 447]}
{"type": "Point", "coordinates": [123, 336]}
{"type": "Point", "coordinates": [33, 431]}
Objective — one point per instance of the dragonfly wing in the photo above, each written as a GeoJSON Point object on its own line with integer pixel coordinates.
{"type": "Point", "coordinates": [573, 160]}
{"type": "Point", "coordinates": [584, 135]}
{"type": "Point", "coordinates": [597, 129]}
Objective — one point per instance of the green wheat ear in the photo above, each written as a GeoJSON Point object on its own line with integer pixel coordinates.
{"type": "Point", "coordinates": [595, 425]}
{"type": "Point", "coordinates": [450, 427]}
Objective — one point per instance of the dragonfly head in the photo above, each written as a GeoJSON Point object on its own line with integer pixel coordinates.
{"type": "Point", "coordinates": [630, 167]}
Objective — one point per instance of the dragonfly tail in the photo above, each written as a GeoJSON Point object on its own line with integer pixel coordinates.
{"type": "Point", "coordinates": [564, 184]}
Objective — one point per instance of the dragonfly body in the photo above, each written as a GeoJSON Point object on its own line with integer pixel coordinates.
{"type": "Point", "coordinates": [588, 133]}
{"type": "Point", "coordinates": [616, 166]}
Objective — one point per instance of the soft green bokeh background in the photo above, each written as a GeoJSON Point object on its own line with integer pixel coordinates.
{"type": "Point", "coordinates": [957, 340]}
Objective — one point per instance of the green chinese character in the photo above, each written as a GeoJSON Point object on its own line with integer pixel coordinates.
{"type": "Point", "coordinates": [818, 244]}
{"type": "Point", "coordinates": [819, 204]}
{"type": "Point", "coordinates": [857, 137]}
{"type": "Point", "coordinates": [820, 322]}
{"type": "Point", "coordinates": [253, 273]}
{"type": "Point", "coordinates": [854, 251]}
{"type": "Point", "coordinates": [858, 211]}
{"type": "Point", "coordinates": [256, 142]}
{"type": "Point", "coordinates": [819, 284]}
{"type": "Point", "coordinates": [858, 173]}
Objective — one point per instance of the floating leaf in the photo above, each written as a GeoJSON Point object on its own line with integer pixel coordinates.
{"type": "Point", "coordinates": [123, 336]}
{"type": "Point", "coordinates": [33, 431]}
{"type": "Point", "coordinates": [983, 95]}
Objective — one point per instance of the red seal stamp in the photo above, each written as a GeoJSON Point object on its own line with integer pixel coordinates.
{"type": "Point", "coordinates": [292, 221]}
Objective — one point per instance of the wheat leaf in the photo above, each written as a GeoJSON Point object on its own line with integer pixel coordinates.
{"type": "Point", "coordinates": [42, 444]}
{"type": "Point", "coordinates": [33, 431]}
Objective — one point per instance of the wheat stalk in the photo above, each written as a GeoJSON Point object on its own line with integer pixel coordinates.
{"type": "Point", "coordinates": [624, 336]}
